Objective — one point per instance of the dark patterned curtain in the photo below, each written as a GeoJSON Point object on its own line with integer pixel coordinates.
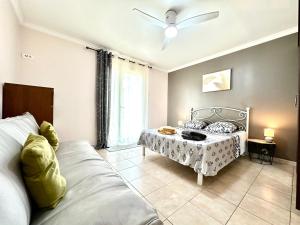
{"type": "Point", "coordinates": [103, 90]}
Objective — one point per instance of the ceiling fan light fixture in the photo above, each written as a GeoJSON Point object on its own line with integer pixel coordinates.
{"type": "Point", "coordinates": [171, 31]}
{"type": "Point", "coordinates": [171, 26]}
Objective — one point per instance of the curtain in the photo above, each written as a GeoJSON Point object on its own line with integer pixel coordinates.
{"type": "Point", "coordinates": [129, 102]}
{"type": "Point", "coordinates": [103, 96]}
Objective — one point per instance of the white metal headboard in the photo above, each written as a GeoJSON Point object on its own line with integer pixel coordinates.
{"type": "Point", "coordinates": [240, 117]}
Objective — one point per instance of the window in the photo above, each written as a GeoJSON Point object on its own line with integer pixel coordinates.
{"type": "Point", "coordinates": [129, 100]}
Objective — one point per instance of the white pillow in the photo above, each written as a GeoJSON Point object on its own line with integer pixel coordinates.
{"type": "Point", "coordinates": [221, 127]}
{"type": "Point", "coordinates": [19, 127]}
{"type": "Point", "coordinates": [194, 124]}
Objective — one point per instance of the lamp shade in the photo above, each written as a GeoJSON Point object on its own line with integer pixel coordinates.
{"type": "Point", "coordinates": [268, 132]}
{"type": "Point", "coordinates": [180, 122]}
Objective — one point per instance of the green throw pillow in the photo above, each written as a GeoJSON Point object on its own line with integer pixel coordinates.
{"type": "Point", "coordinates": [41, 172]}
{"type": "Point", "coordinates": [48, 131]}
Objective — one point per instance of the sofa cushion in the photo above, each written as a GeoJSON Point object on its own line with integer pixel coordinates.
{"type": "Point", "coordinates": [96, 194]}
{"type": "Point", "coordinates": [41, 172]}
{"type": "Point", "coordinates": [48, 131]}
{"type": "Point", "coordinates": [19, 127]}
{"type": "Point", "coordinates": [14, 202]}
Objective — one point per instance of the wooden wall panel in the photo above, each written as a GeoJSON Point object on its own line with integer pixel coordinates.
{"type": "Point", "coordinates": [18, 99]}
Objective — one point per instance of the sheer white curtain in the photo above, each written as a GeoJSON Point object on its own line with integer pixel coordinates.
{"type": "Point", "coordinates": [129, 102]}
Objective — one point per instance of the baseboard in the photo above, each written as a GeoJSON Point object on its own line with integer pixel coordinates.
{"type": "Point", "coordinates": [284, 161]}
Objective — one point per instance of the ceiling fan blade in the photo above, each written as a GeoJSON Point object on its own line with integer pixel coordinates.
{"type": "Point", "coordinates": [165, 43]}
{"type": "Point", "coordinates": [197, 19]}
{"type": "Point", "coordinates": [151, 19]}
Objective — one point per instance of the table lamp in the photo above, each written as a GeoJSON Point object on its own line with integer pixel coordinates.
{"type": "Point", "coordinates": [269, 134]}
{"type": "Point", "coordinates": [180, 123]}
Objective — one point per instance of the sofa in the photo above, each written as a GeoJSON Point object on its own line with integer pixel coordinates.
{"type": "Point", "coordinates": [96, 194]}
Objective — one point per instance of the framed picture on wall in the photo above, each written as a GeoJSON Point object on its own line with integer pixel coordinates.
{"type": "Point", "coordinates": [218, 81]}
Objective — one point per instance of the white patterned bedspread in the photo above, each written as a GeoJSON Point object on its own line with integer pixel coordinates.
{"type": "Point", "coordinates": [206, 157]}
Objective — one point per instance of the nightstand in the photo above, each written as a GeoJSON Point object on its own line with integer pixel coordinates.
{"type": "Point", "coordinates": [263, 150]}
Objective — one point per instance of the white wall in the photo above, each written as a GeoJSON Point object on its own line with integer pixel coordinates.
{"type": "Point", "coordinates": [158, 98]}
{"type": "Point", "coordinates": [9, 45]}
{"type": "Point", "coordinates": [70, 69]}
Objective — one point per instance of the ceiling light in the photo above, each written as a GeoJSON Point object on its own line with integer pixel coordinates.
{"type": "Point", "coordinates": [171, 31]}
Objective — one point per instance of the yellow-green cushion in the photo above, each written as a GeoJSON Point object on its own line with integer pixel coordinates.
{"type": "Point", "coordinates": [41, 172]}
{"type": "Point", "coordinates": [48, 131]}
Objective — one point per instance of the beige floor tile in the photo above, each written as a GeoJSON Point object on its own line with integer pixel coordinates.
{"type": "Point", "coordinates": [242, 217]}
{"type": "Point", "coordinates": [283, 177]}
{"type": "Point", "coordinates": [235, 182]}
{"type": "Point", "coordinates": [280, 169]}
{"type": "Point", "coordinates": [185, 188]}
{"type": "Point", "coordinates": [138, 160]}
{"type": "Point", "coordinates": [184, 170]}
{"type": "Point", "coordinates": [167, 175]}
{"type": "Point", "coordinates": [124, 153]}
{"type": "Point", "coordinates": [191, 177]}
{"type": "Point", "coordinates": [226, 191]}
{"type": "Point", "coordinates": [168, 186]}
{"type": "Point", "coordinates": [121, 165]}
{"type": "Point", "coordinates": [153, 157]}
{"type": "Point", "coordinates": [265, 210]}
{"type": "Point", "coordinates": [274, 182]}
{"type": "Point", "coordinates": [188, 175]}
{"type": "Point", "coordinates": [293, 207]}
{"type": "Point", "coordinates": [271, 195]}
{"type": "Point", "coordinates": [132, 154]}
{"type": "Point", "coordinates": [282, 172]}
{"type": "Point", "coordinates": [150, 166]}
{"type": "Point", "coordinates": [191, 215]}
{"type": "Point", "coordinates": [214, 206]}
{"type": "Point", "coordinates": [294, 191]}
{"type": "Point", "coordinates": [245, 164]}
{"type": "Point", "coordinates": [295, 219]}
{"type": "Point", "coordinates": [150, 152]}
{"type": "Point", "coordinates": [167, 222]}
{"type": "Point", "coordinates": [166, 162]}
{"type": "Point", "coordinates": [166, 201]}
{"type": "Point", "coordinates": [147, 184]}
{"type": "Point", "coordinates": [132, 173]}
{"type": "Point", "coordinates": [243, 171]}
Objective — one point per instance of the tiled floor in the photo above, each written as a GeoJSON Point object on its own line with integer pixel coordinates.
{"type": "Point", "coordinates": [243, 193]}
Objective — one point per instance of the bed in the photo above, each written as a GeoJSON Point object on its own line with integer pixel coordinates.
{"type": "Point", "coordinates": [209, 156]}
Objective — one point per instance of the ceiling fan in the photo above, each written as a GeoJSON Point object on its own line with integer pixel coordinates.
{"type": "Point", "coordinates": [171, 26]}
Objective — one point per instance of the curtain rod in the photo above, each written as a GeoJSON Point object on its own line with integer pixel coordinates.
{"type": "Point", "coordinates": [97, 50]}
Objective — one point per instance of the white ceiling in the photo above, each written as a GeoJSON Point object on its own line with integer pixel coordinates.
{"type": "Point", "coordinates": [113, 24]}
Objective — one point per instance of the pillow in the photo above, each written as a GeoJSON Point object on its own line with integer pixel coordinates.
{"type": "Point", "coordinates": [221, 127]}
{"type": "Point", "coordinates": [19, 127]}
{"type": "Point", "coordinates": [15, 206]}
{"type": "Point", "coordinates": [194, 124]}
{"type": "Point", "coordinates": [41, 172]}
{"type": "Point", "coordinates": [48, 131]}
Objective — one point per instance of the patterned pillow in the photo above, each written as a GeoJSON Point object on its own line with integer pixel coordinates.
{"type": "Point", "coordinates": [221, 127]}
{"type": "Point", "coordinates": [194, 124]}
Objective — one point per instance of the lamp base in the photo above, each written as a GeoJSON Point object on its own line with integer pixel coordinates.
{"type": "Point", "coordinates": [269, 139]}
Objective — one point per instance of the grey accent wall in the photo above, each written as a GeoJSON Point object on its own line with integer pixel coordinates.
{"type": "Point", "coordinates": [264, 77]}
